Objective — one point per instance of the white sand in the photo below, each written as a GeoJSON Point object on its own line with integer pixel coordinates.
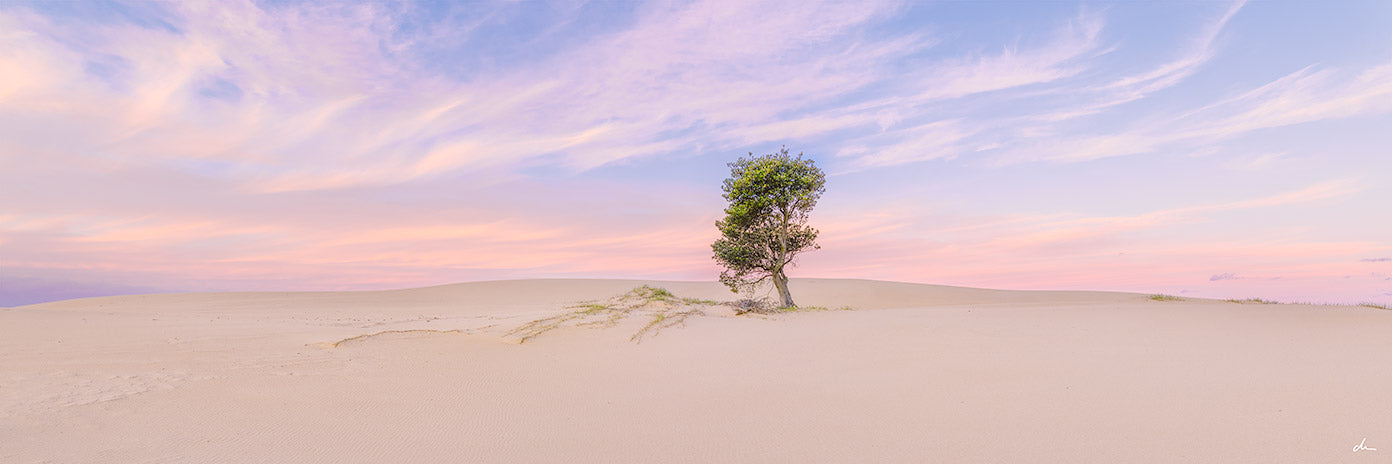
{"type": "Point", "coordinates": [916, 373]}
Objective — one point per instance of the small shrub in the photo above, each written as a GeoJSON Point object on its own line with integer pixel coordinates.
{"type": "Point", "coordinates": [1162, 297]}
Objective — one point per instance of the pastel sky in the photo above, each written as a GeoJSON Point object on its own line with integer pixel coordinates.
{"type": "Point", "coordinates": [1208, 149]}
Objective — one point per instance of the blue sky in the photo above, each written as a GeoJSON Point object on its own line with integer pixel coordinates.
{"type": "Point", "coordinates": [1219, 149]}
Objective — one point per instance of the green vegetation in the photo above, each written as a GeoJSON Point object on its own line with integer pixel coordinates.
{"type": "Point", "coordinates": [1162, 297]}
{"type": "Point", "coordinates": [1252, 301]}
{"type": "Point", "coordinates": [765, 226]}
{"type": "Point", "coordinates": [651, 294]}
{"type": "Point", "coordinates": [1375, 306]}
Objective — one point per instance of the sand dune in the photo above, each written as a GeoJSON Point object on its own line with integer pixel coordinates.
{"type": "Point", "coordinates": [914, 373]}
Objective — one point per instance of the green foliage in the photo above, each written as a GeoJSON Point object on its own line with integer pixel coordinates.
{"type": "Point", "coordinates": [1159, 297]}
{"type": "Point", "coordinates": [765, 225]}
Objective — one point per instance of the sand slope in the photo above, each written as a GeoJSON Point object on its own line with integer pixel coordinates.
{"type": "Point", "coordinates": [917, 373]}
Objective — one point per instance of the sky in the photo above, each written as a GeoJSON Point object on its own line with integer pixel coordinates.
{"type": "Point", "coordinates": [1198, 148]}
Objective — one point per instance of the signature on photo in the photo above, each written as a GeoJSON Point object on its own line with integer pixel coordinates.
{"type": "Point", "coordinates": [1362, 446]}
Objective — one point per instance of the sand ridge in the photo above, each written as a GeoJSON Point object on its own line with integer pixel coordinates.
{"type": "Point", "coordinates": [386, 333]}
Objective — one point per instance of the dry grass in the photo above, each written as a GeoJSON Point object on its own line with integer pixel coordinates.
{"type": "Point", "coordinates": [1252, 301]}
{"type": "Point", "coordinates": [667, 311]}
{"type": "Point", "coordinates": [662, 320]}
{"type": "Point", "coordinates": [804, 309]}
{"type": "Point", "coordinates": [1270, 302]}
{"type": "Point", "coordinates": [753, 305]}
{"type": "Point", "coordinates": [584, 315]}
{"type": "Point", "coordinates": [768, 306]}
{"type": "Point", "coordinates": [1162, 297]}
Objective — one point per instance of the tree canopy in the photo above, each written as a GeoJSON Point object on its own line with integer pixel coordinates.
{"type": "Point", "coordinates": [765, 225]}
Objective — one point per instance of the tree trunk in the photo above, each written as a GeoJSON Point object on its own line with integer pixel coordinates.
{"type": "Point", "coordinates": [780, 282]}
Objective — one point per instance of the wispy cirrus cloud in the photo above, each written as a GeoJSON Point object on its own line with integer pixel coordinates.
{"type": "Point", "coordinates": [1203, 47]}
{"type": "Point", "coordinates": [1073, 51]}
{"type": "Point", "coordinates": [1031, 132]}
{"type": "Point", "coordinates": [1300, 97]}
{"type": "Point", "coordinates": [1065, 55]}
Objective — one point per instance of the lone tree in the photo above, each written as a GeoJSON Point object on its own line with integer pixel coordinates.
{"type": "Point", "coordinates": [765, 226]}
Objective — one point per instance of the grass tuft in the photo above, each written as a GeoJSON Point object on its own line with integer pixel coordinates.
{"type": "Point", "coordinates": [1375, 306]}
{"type": "Point", "coordinates": [653, 293]}
{"type": "Point", "coordinates": [1252, 301]}
{"type": "Point", "coordinates": [805, 309]}
{"type": "Point", "coordinates": [698, 301]}
{"type": "Point", "coordinates": [1163, 297]}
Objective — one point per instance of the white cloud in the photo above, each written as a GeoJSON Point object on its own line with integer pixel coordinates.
{"type": "Point", "coordinates": [1203, 49]}
{"type": "Point", "coordinates": [934, 140]}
